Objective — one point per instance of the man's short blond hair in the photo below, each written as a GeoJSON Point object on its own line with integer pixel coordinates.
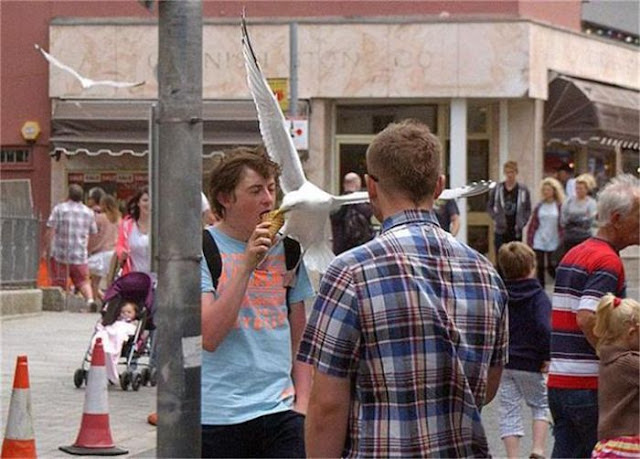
{"type": "Point", "coordinates": [512, 165]}
{"type": "Point", "coordinates": [517, 260]}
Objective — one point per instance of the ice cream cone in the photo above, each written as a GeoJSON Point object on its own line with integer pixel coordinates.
{"type": "Point", "coordinates": [276, 218]}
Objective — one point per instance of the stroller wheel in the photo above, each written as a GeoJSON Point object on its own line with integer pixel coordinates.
{"type": "Point", "coordinates": [146, 376]}
{"type": "Point", "coordinates": [136, 381]}
{"type": "Point", "coordinates": [153, 377]}
{"type": "Point", "coordinates": [125, 379]}
{"type": "Point", "coordinates": [79, 377]}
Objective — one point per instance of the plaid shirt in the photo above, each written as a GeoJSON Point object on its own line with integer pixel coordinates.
{"type": "Point", "coordinates": [72, 222]}
{"type": "Point", "coordinates": [414, 318]}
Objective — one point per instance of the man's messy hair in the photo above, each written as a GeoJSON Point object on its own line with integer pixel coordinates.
{"type": "Point", "coordinates": [229, 168]}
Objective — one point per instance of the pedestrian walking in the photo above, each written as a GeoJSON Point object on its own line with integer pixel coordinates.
{"type": "Point", "coordinates": [545, 232]}
{"type": "Point", "coordinates": [133, 246]}
{"type": "Point", "coordinates": [578, 215]}
{"type": "Point", "coordinates": [586, 273]}
{"type": "Point", "coordinates": [408, 334]}
{"type": "Point", "coordinates": [254, 396]}
{"type": "Point", "coordinates": [448, 215]}
{"type": "Point", "coordinates": [68, 230]}
{"type": "Point", "coordinates": [529, 336]}
{"type": "Point", "coordinates": [509, 206]}
{"type": "Point", "coordinates": [102, 244]}
{"type": "Point", "coordinates": [351, 224]}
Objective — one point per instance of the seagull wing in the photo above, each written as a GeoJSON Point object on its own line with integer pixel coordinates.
{"type": "Point", "coordinates": [87, 82]}
{"type": "Point", "coordinates": [115, 84]}
{"type": "Point", "coordinates": [62, 66]}
{"type": "Point", "coordinates": [273, 126]}
{"type": "Point", "coordinates": [468, 191]}
{"type": "Point", "coordinates": [351, 198]}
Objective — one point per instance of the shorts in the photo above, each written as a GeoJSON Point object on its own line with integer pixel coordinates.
{"type": "Point", "coordinates": [99, 263]}
{"type": "Point", "coordinates": [59, 271]}
{"type": "Point", "coordinates": [515, 386]}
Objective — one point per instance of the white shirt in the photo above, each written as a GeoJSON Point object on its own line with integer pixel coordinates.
{"type": "Point", "coordinates": [139, 250]}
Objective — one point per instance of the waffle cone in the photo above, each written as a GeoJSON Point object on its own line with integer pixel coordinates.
{"type": "Point", "coordinates": [276, 218]}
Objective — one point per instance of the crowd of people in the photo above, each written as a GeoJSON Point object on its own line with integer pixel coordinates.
{"type": "Point", "coordinates": [412, 332]}
{"type": "Point", "coordinates": [84, 242]}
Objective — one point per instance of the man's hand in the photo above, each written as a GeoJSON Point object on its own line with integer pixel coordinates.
{"type": "Point", "coordinates": [257, 246]}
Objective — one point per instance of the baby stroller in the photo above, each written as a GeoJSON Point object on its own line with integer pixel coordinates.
{"type": "Point", "coordinates": [137, 351]}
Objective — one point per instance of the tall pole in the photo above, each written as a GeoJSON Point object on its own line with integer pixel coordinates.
{"type": "Point", "coordinates": [293, 69]}
{"type": "Point", "coordinates": [179, 123]}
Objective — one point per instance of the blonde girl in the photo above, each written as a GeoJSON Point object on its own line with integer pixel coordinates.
{"type": "Point", "coordinates": [617, 328]}
{"type": "Point", "coordinates": [103, 243]}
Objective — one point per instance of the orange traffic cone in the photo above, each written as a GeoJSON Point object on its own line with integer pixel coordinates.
{"type": "Point", "coordinates": [94, 438]}
{"type": "Point", "coordinates": [19, 439]}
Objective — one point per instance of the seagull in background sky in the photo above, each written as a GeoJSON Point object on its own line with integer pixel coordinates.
{"type": "Point", "coordinates": [306, 207]}
{"type": "Point", "coordinates": [86, 82]}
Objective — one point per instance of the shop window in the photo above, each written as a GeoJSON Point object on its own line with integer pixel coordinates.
{"type": "Point", "coordinates": [477, 119]}
{"type": "Point", "coordinates": [631, 162]}
{"type": "Point", "coordinates": [17, 157]}
{"type": "Point", "coordinates": [477, 169]}
{"type": "Point", "coordinates": [371, 119]}
{"type": "Point", "coordinates": [352, 159]}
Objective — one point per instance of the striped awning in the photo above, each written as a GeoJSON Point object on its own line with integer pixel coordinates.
{"type": "Point", "coordinates": [583, 111]}
{"type": "Point", "coordinates": [117, 127]}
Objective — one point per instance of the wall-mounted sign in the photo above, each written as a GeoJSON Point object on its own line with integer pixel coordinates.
{"type": "Point", "coordinates": [280, 88]}
{"type": "Point", "coordinates": [300, 133]}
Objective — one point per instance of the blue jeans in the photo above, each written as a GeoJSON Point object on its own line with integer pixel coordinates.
{"type": "Point", "coordinates": [575, 417]}
{"type": "Point", "coordinates": [273, 435]}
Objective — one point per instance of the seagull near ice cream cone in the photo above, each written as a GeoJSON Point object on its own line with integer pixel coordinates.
{"type": "Point", "coordinates": [306, 206]}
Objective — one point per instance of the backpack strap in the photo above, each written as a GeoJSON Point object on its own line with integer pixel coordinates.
{"type": "Point", "coordinates": [292, 253]}
{"type": "Point", "coordinates": [212, 255]}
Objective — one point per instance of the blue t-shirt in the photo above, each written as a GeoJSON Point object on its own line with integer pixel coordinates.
{"type": "Point", "coordinates": [249, 374]}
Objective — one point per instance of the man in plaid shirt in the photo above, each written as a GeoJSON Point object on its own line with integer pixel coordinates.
{"type": "Point", "coordinates": [408, 334]}
{"type": "Point", "coordinates": [68, 229]}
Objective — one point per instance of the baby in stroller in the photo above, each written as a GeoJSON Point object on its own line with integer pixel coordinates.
{"type": "Point", "coordinates": [127, 331]}
{"type": "Point", "coordinates": [115, 329]}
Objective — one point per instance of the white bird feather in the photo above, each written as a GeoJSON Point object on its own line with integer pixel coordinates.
{"type": "Point", "coordinates": [84, 81]}
{"type": "Point", "coordinates": [307, 206]}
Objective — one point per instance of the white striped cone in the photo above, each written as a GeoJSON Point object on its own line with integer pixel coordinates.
{"type": "Point", "coordinates": [19, 438]}
{"type": "Point", "coordinates": [94, 437]}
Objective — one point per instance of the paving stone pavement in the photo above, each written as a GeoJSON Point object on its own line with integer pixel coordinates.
{"type": "Point", "coordinates": [55, 343]}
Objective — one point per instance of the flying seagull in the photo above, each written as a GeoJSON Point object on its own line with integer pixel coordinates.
{"type": "Point", "coordinates": [86, 82]}
{"type": "Point", "coordinates": [306, 206]}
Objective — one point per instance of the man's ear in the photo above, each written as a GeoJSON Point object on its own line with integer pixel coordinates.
{"type": "Point", "coordinates": [224, 198]}
{"type": "Point", "coordinates": [615, 218]}
{"type": "Point", "coordinates": [440, 185]}
{"type": "Point", "coordinates": [372, 187]}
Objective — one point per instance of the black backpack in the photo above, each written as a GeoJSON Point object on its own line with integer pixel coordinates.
{"type": "Point", "coordinates": [292, 254]}
{"type": "Point", "coordinates": [357, 227]}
